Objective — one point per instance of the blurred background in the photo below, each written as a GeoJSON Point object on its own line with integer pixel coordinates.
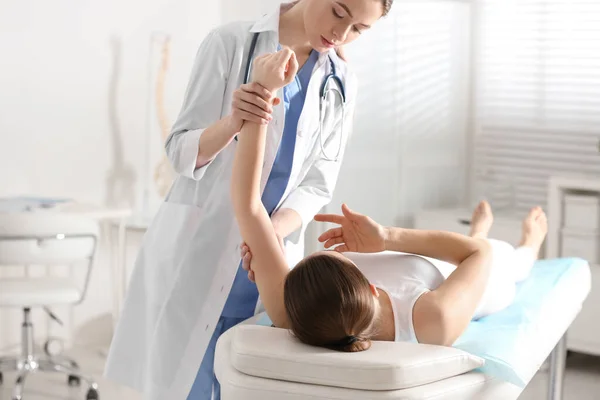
{"type": "Point", "coordinates": [458, 101]}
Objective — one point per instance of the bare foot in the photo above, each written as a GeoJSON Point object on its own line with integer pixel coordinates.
{"type": "Point", "coordinates": [535, 228]}
{"type": "Point", "coordinates": [482, 219]}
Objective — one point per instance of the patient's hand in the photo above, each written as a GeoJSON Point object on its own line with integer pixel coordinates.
{"type": "Point", "coordinates": [247, 257]}
{"type": "Point", "coordinates": [357, 232]}
{"type": "Point", "coordinates": [274, 71]}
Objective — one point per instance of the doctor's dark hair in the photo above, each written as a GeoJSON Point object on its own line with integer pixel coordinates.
{"type": "Point", "coordinates": [330, 304]}
{"type": "Point", "coordinates": [387, 6]}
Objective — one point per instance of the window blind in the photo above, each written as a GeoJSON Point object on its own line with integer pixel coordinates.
{"type": "Point", "coordinates": [537, 97]}
{"type": "Point", "coordinates": [408, 147]}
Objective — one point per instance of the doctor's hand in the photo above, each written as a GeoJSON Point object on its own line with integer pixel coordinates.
{"type": "Point", "coordinates": [252, 102]}
{"type": "Point", "coordinates": [274, 71]}
{"type": "Point", "coordinates": [247, 257]}
{"type": "Point", "coordinates": [357, 233]}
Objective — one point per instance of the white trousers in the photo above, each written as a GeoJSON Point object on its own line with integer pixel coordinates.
{"type": "Point", "coordinates": [509, 267]}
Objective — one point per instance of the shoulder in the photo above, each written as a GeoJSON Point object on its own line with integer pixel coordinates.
{"type": "Point", "coordinates": [238, 30]}
{"type": "Point", "coordinates": [429, 320]}
{"type": "Point", "coordinates": [229, 36]}
{"type": "Point", "coordinates": [379, 268]}
{"type": "Point", "coordinates": [404, 300]}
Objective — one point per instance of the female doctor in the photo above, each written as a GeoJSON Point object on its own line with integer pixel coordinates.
{"type": "Point", "coordinates": [188, 287]}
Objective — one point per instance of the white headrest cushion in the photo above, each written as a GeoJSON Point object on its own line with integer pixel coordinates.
{"type": "Point", "coordinates": [275, 354]}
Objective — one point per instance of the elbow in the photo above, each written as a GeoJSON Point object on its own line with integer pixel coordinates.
{"type": "Point", "coordinates": [173, 146]}
{"type": "Point", "coordinates": [280, 320]}
{"type": "Point", "coordinates": [443, 329]}
{"type": "Point", "coordinates": [181, 148]}
{"type": "Point", "coordinates": [171, 152]}
{"type": "Point", "coordinates": [448, 331]}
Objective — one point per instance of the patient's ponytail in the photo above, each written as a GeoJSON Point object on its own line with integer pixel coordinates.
{"type": "Point", "coordinates": [329, 303]}
{"type": "Point", "coordinates": [351, 344]}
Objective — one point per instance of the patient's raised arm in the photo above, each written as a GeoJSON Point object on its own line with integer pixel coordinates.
{"type": "Point", "coordinates": [270, 268]}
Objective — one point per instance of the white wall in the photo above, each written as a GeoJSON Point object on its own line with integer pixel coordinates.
{"type": "Point", "coordinates": [55, 78]}
{"type": "Point", "coordinates": [55, 81]}
{"type": "Point", "coordinates": [246, 10]}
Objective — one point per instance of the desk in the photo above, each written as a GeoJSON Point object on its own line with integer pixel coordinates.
{"type": "Point", "coordinates": [95, 212]}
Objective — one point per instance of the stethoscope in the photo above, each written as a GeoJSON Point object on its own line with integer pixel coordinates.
{"type": "Point", "coordinates": [326, 88]}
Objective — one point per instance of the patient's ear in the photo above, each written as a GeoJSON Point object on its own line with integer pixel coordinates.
{"type": "Point", "coordinates": [374, 290]}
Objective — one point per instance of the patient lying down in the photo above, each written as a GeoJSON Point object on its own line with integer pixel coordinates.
{"type": "Point", "coordinates": [386, 284]}
{"type": "Point", "coordinates": [412, 297]}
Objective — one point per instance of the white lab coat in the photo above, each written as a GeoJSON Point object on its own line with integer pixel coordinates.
{"type": "Point", "coordinates": [190, 253]}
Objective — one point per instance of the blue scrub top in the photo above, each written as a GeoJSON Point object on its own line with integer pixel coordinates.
{"type": "Point", "coordinates": [243, 296]}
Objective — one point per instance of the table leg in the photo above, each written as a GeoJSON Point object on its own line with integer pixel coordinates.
{"type": "Point", "coordinates": [557, 369]}
{"type": "Point", "coordinates": [123, 276]}
{"type": "Point", "coordinates": [121, 255]}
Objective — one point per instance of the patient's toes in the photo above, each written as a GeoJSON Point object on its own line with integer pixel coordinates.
{"type": "Point", "coordinates": [542, 221]}
{"type": "Point", "coordinates": [535, 228]}
{"type": "Point", "coordinates": [482, 219]}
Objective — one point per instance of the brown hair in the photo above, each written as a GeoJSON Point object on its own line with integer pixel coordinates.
{"type": "Point", "coordinates": [387, 6]}
{"type": "Point", "coordinates": [330, 304]}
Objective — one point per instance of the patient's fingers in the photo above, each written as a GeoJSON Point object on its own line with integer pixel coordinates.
{"type": "Point", "coordinates": [251, 276]}
{"type": "Point", "coordinates": [333, 241]}
{"type": "Point", "coordinates": [341, 249]}
{"type": "Point", "coordinates": [334, 232]}
{"type": "Point", "coordinates": [333, 218]}
{"type": "Point", "coordinates": [244, 249]}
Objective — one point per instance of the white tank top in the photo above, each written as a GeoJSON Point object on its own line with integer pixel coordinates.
{"type": "Point", "coordinates": [404, 277]}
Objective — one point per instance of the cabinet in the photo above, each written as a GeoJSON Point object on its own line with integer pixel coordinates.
{"type": "Point", "coordinates": [574, 231]}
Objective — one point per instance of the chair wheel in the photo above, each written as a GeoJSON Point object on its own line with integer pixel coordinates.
{"type": "Point", "coordinates": [74, 380]}
{"type": "Point", "coordinates": [53, 347]}
{"type": "Point", "coordinates": [92, 394]}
